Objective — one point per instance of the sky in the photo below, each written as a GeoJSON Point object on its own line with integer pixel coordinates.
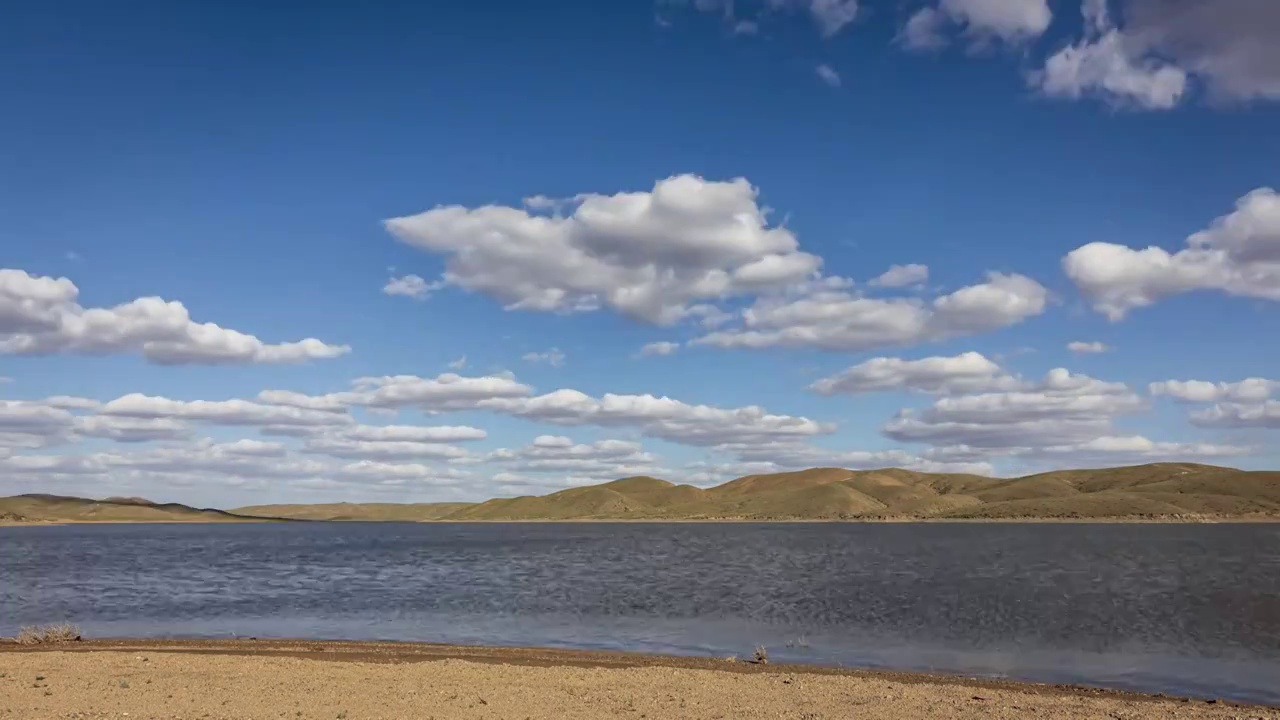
{"type": "Point", "coordinates": [399, 251]}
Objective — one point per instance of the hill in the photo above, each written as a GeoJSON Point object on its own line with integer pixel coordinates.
{"type": "Point", "coordinates": [377, 512]}
{"type": "Point", "coordinates": [1156, 491]}
{"type": "Point", "coordinates": [1160, 491]}
{"type": "Point", "coordinates": [57, 508]}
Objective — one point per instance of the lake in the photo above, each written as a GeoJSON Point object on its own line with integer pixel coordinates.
{"type": "Point", "coordinates": [1185, 609]}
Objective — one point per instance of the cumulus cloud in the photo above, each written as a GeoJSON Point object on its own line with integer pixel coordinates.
{"type": "Point", "coordinates": [41, 316]}
{"type": "Point", "coordinates": [410, 286]}
{"type": "Point", "coordinates": [1010, 21]}
{"type": "Point", "coordinates": [1240, 415]}
{"type": "Point", "coordinates": [964, 373]}
{"type": "Point", "coordinates": [661, 417]}
{"type": "Point", "coordinates": [828, 75]}
{"type": "Point", "coordinates": [27, 424]}
{"type": "Point", "coordinates": [1063, 408]}
{"type": "Point", "coordinates": [220, 412]}
{"type": "Point", "coordinates": [659, 348]}
{"type": "Point", "coordinates": [604, 459]}
{"type": "Point", "coordinates": [1112, 64]}
{"type": "Point", "coordinates": [131, 429]}
{"type": "Point", "coordinates": [1238, 254]}
{"type": "Point", "coordinates": [648, 255]}
{"type": "Point", "coordinates": [1231, 46]}
{"type": "Point", "coordinates": [553, 357]}
{"type": "Point", "coordinates": [1247, 390]}
{"type": "Point", "coordinates": [830, 16]}
{"type": "Point", "coordinates": [340, 447]}
{"type": "Point", "coordinates": [1080, 347]}
{"type": "Point", "coordinates": [836, 319]}
{"type": "Point", "coordinates": [902, 276]}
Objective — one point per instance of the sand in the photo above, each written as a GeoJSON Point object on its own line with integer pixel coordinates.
{"type": "Point", "coordinates": [359, 681]}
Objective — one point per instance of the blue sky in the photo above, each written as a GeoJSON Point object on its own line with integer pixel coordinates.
{"type": "Point", "coordinates": [565, 185]}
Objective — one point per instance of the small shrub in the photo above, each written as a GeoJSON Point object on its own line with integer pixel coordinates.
{"type": "Point", "coordinates": [46, 634]}
{"type": "Point", "coordinates": [762, 655]}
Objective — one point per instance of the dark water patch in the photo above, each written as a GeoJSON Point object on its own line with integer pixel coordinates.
{"type": "Point", "coordinates": [1189, 609]}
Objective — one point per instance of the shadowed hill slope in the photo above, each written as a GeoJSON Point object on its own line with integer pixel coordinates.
{"type": "Point", "coordinates": [369, 512]}
{"type": "Point", "coordinates": [57, 508]}
{"type": "Point", "coordinates": [1162, 490]}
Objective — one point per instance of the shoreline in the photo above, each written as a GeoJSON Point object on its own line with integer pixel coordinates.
{"type": "Point", "coordinates": [1116, 520]}
{"type": "Point", "coordinates": [235, 667]}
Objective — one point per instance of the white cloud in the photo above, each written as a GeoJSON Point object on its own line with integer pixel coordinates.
{"type": "Point", "coordinates": [649, 255]}
{"type": "Point", "coordinates": [1247, 390]}
{"type": "Point", "coordinates": [413, 433]}
{"type": "Point", "coordinates": [1238, 415]}
{"type": "Point", "coordinates": [288, 398]}
{"type": "Point", "coordinates": [67, 402]}
{"type": "Point", "coordinates": [131, 429]}
{"type": "Point", "coordinates": [1063, 408]}
{"type": "Point", "coordinates": [32, 424]}
{"type": "Point", "coordinates": [410, 286]}
{"type": "Point", "coordinates": [1238, 254]}
{"type": "Point", "coordinates": [444, 392]}
{"type": "Point", "coordinates": [1011, 21]}
{"type": "Point", "coordinates": [1231, 46]}
{"type": "Point", "coordinates": [834, 319]}
{"type": "Point", "coordinates": [381, 450]}
{"type": "Point", "coordinates": [828, 75]}
{"type": "Point", "coordinates": [1080, 347]}
{"type": "Point", "coordinates": [902, 276]}
{"type": "Point", "coordinates": [964, 373]}
{"type": "Point", "coordinates": [1112, 64]}
{"type": "Point", "coordinates": [1113, 448]}
{"type": "Point", "coordinates": [604, 459]}
{"type": "Point", "coordinates": [220, 412]}
{"type": "Point", "coordinates": [40, 316]}
{"type": "Point", "coordinates": [458, 364]}
{"type": "Point", "coordinates": [552, 357]}
{"type": "Point", "coordinates": [661, 417]}
{"type": "Point", "coordinates": [5, 380]}
{"type": "Point", "coordinates": [924, 30]}
{"type": "Point", "coordinates": [831, 16]}
{"type": "Point", "coordinates": [659, 348]}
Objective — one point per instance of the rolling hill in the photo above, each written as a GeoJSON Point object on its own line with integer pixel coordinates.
{"type": "Point", "coordinates": [57, 508]}
{"type": "Point", "coordinates": [1160, 491]}
{"type": "Point", "coordinates": [1157, 491]}
{"type": "Point", "coordinates": [384, 512]}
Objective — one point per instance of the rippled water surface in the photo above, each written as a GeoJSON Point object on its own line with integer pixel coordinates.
{"type": "Point", "coordinates": [1191, 609]}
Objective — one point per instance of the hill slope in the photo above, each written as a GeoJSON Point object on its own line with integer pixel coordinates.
{"type": "Point", "coordinates": [1162, 490]}
{"type": "Point", "coordinates": [57, 508]}
{"type": "Point", "coordinates": [372, 512]}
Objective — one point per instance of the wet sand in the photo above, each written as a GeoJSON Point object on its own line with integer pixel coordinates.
{"type": "Point", "coordinates": [357, 681]}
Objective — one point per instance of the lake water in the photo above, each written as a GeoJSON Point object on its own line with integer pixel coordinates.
{"type": "Point", "coordinates": [1186, 609]}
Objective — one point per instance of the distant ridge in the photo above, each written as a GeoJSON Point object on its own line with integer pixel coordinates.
{"type": "Point", "coordinates": [1157, 491]}
{"type": "Point", "coordinates": [38, 507]}
{"type": "Point", "coordinates": [1160, 491]}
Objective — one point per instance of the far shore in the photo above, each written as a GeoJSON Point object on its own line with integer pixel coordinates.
{"type": "Point", "coordinates": [1122, 520]}
{"type": "Point", "coordinates": [353, 680]}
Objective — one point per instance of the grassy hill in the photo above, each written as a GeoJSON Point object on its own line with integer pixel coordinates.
{"type": "Point", "coordinates": [1157, 491]}
{"type": "Point", "coordinates": [1162, 490]}
{"type": "Point", "coordinates": [57, 508]}
{"type": "Point", "coordinates": [385, 512]}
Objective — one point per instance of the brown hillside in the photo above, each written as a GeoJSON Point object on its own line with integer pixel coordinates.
{"type": "Point", "coordinates": [56, 508]}
{"type": "Point", "coordinates": [1164, 490]}
{"type": "Point", "coordinates": [367, 512]}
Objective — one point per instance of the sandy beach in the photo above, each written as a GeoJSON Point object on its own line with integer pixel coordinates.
{"type": "Point", "coordinates": [360, 681]}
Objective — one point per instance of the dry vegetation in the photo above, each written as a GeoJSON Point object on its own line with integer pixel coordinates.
{"type": "Point", "coordinates": [47, 634]}
{"type": "Point", "coordinates": [57, 508]}
{"type": "Point", "coordinates": [382, 512]}
{"type": "Point", "coordinates": [1162, 491]}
